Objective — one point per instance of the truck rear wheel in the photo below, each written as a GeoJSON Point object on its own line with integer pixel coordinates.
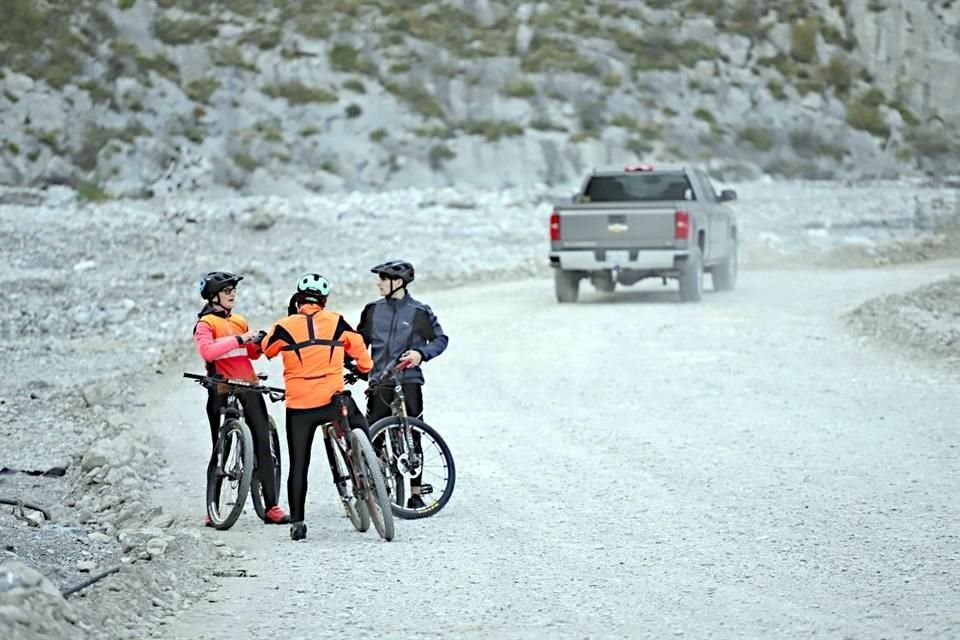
{"type": "Point", "coordinates": [567, 285]}
{"type": "Point", "coordinates": [724, 275]}
{"type": "Point", "coordinates": [691, 278]}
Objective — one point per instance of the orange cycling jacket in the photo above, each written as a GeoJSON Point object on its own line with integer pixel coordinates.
{"type": "Point", "coordinates": [215, 336]}
{"type": "Point", "coordinates": [313, 343]}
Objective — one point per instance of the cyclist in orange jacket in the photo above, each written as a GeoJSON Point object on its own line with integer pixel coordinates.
{"type": "Point", "coordinates": [313, 342]}
{"type": "Point", "coordinates": [227, 345]}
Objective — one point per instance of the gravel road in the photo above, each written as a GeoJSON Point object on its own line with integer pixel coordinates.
{"type": "Point", "coordinates": [629, 467]}
{"type": "Point", "coordinates": [98, 304]}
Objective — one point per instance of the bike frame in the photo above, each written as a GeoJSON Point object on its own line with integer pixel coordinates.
{"type": "Point", "coordinates": [398, 407]}
{"type": "Point", "coordinates": [340, 428]}
{"type": "Point", "coordinates": [232, 409]}
{"type": "Point", "coordinates": [338, 431]}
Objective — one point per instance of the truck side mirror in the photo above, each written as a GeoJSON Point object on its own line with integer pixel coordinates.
{"type": "Point", "coordinates": [727, 195]}
{"type": "Point", "coordinates": [575, 197]}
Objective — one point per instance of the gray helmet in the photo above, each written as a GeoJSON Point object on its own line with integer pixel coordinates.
{"type": "Point", "coordinates": [313, 287]}
{"type": "Point", "coordinates": [395, 269]}
{"type": "Point", "coordinates": [216, 281]}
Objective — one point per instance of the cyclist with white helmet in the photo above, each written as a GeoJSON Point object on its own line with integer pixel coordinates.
{"type": "Point", "coordinates": [228, 347]}
{"type": "Point", "coordinates": [399, 329]}
{"type": "Point", "coordinates": [313, 342]}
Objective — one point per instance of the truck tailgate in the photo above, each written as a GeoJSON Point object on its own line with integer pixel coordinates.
{"type": "Point", "coordinates": [631, 225]}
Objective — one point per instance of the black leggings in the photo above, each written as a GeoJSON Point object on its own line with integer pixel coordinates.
{"type": "Point", "coordinates": [301, 428]}
{"type": "Point", "coordinates": [256, 417]}
{"type": "Point", "coordinates": [378, 402]}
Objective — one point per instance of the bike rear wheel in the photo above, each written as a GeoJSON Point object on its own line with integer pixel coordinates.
{"type": "Point", "coordinates": [355, 508]}
{"type": "Point", "coordinates": [437, 471]}
{"type": "Point", "coordinates": [229, 481]}
{"type": "Point", "coordinates": [366, 462]}
{"type": "Point", "coordinates": [256, 487]}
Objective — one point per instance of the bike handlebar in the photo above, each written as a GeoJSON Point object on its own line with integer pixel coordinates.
{"type": "Point", "coordinates": [210, 382]}
{"type": "Point", "coordinates": [389, 376]}
{"type": "Point", "coordinates": [274, 393]}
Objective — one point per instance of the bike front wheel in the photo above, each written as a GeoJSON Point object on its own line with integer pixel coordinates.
{"type": "Point", "coordinates": [420, 482]}
{"type": "Point", "coordinates": [365, 461]}
{"type": "Point", "coordinates": [228, 482]}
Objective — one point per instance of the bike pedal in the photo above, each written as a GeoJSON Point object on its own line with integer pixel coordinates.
{"type": "Point", "coordinates": [426, 489]}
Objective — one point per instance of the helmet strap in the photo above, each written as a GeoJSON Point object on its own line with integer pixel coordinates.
{"type": "Point", "coordinates": [215, 301]}
{"type": "Point", "coordinates": [393, 290]}
{"type": "Point", "coordinates": [305, 299]}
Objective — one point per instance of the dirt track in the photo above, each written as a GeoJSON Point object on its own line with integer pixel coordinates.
{"type": "Point", "coordinates": [632, 467]}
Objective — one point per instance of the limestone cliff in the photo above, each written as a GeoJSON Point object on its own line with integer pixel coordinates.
{"type": "Point", "coordinates": [131, 97]}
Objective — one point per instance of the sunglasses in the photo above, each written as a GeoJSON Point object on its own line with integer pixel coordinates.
{"type": "Point", "coordinates": [229, 290]}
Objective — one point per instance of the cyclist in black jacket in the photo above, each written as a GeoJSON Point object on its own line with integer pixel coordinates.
{"type": "Point", "coordinates": [398, 328]}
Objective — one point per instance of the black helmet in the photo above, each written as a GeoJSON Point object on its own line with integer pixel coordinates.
{"type": "Point", "coordinates": [216, 281]}
{"type": "Point", "coordinates": [395, 269]}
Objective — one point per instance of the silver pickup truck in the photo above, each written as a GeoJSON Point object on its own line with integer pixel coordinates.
{"type": "Point", "coordinates": [644, 222]}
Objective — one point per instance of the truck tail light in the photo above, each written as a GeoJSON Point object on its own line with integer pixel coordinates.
{"type": "Point", "coordinates": [554, 227]}
{"type": "Point", "coordinates": [681, 228]}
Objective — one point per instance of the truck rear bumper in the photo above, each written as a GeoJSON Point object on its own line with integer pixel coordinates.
{"type": "Point", "coordinates": [632, 259]}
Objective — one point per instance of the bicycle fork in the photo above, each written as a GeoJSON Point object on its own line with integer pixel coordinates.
{"type": "Point", "coordinates": [225, 460]}
{"type": "Point", "coordinates": [408, 462]}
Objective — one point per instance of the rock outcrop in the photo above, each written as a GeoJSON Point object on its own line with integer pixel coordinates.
{"type": "Point", "coordinates": [138, 97]}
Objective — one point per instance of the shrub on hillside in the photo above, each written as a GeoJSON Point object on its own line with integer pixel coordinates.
{"type": "Point", "coordinates": [297, 93]}
{"type": "Point", "coordinates": [438, 155]}
{"type": "Point", "coordinates": [345, 58]}
{"type": "Point", "coordinates": [803, 40]}
{"type": "Point", "coordinates": [836, 73]}
{"type": "Point", "coordinates": [863, 113]}
{"type": "Point", "coordinates": [757, 137]}
{"type": "Point", "coordinates": [175, 32]}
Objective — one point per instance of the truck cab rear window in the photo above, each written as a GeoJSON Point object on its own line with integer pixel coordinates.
{"type": "Point", "coordinates": [646, 187]}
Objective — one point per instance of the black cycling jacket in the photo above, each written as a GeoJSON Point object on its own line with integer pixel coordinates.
{"type": "Point", "coordinates": [390, 327]}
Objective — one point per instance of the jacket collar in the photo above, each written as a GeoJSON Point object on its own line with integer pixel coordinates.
{"type": "Point", "coordinates": [310, 308]}
{"type": "Point", "coordinates": [209, 309]}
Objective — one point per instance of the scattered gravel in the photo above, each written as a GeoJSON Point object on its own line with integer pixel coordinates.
{"type": "Point", "coordinates": [925, 322]}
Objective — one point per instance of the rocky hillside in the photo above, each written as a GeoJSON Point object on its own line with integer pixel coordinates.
{"type": "Point", "coordinates": [133, 97]}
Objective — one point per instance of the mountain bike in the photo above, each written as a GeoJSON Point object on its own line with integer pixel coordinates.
{"type": "Point", "coordinates": [417, 461]}
{"type": "Point", "coordinates": [359, 477]}
{"type": "Point", "coordinates": [229, 480]}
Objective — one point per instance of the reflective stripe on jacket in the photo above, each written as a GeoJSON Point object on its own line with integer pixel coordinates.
{"type": "Point", "coordinates": [215, 336]}
{"type": "Point", "coordinates": [313, 343]}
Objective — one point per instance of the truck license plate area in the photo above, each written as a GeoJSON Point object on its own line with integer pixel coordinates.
{"type": "Point", "coordinates": [618, 257]}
